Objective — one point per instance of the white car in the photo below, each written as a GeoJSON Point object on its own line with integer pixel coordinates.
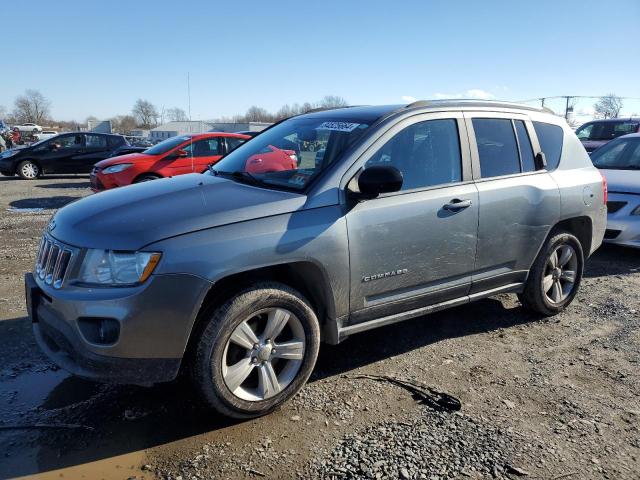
{"type": "Point", "coordinates": [45, 135]}
{"type": "Point", "coordinates": [29, 127]}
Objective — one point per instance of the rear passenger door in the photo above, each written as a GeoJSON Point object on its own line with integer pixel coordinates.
{"type": "Point", "coordinates": [518, 199]}
{"type": "Point", "coordinates": [415, 247]}
{"type": "Point", "coordinates": [96, 149]}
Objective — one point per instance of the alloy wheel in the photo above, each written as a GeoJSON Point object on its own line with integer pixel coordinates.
{"type": "Point", "coordinates": [29, 170]}
{"type": "Point", "coordinates": [560, 273]}
{"type": "Point", "coordinates": [264, 354]}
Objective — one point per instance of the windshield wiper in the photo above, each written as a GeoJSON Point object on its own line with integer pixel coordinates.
{"type": "Point", "coordinates": [238, 175]}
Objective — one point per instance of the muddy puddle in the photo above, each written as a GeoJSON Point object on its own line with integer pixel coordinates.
{"type": "Point", "coordinates": [53, 425]}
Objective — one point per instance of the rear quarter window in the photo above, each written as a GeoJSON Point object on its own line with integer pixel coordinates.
{"type": "Point", "coordinates": [550, 138]}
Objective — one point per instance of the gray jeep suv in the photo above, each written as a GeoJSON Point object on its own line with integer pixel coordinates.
{"type": "Point", "coordinates": [392, 212]}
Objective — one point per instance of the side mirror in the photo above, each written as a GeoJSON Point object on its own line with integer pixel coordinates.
{"type": "Point", "coordinates": [182, 153]}
{"type": "Point", "coordinates": [53, 146]}
{"type": "Point", "coordinates": [378, 179]}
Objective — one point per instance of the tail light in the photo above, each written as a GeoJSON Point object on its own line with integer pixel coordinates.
{"type": "Point", "coordinates": [605, 192]}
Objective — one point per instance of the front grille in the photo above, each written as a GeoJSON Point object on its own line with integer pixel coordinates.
{"type": "Point", "coordinates": [52, 261]}
{"type": "Point", "coordinates": [611, 234]}
{"type": "Point", "coordinates": [613, 207]}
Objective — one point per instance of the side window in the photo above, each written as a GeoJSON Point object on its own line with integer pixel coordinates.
{"type": "Point", "coordinates": [96, 141]}
{"type": "Point", "coordinates": [550, 139]}
{"type": "Point", "coordinates": [427, 154]}
{"type": "Point", "coordinates": [497, 147]}
{"type": "Point", "coordinates": [68, 141]}
{"type": "Point", "coordinates": [114, 142]}
{"type": "Point", "coordinates": [584, 132]}
{"type": "Point", "coordinates": [524, 144]}
{"type": "Point", "coordinates": [208, 147]}
{"type": "Point", "coordinates": [233, 143]}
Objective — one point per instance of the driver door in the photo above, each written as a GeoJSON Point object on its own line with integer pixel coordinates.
{"type": "Point", "coordinates": [61, 153]}
{"type": "Point", "coordinates": [415, 247]}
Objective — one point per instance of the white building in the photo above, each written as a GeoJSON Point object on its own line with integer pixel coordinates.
{"type": "Point", "coordinates": [172, 129]}
{"type": "Point", "coordinates": [238, 127]}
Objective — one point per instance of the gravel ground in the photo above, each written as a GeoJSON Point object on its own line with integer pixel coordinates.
{"type": "Point", "coordinates": [541, 398]}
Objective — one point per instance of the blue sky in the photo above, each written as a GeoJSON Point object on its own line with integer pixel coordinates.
{"type": "Point", "coordinates": [92, 59]}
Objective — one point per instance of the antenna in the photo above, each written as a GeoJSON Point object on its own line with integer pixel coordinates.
{"type": "Point", "coordinates": [189, 94]}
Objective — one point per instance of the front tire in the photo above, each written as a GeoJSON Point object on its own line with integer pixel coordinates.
{"type": "Point", "coordinates": [256, 351]}
{"type": "Point", "coordinates": [28, 170]}
{"type": "Point", "coordinates": [555, 276]}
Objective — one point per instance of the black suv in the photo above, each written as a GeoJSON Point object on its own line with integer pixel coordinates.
{"type": "Point", "coordinates": [65, 153]}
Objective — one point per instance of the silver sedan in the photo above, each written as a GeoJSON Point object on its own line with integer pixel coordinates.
{"type": "Point", "coordinates": [619, 162]}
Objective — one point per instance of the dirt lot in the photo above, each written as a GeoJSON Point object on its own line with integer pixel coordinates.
{"type": "Point", "coordinates": [541, 398]}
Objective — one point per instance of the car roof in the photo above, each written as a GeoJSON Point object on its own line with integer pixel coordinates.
{"type": "Point", "coordinates": [214, 134]}
{"type": "Point", "coordinates": [372, 113]}
{"type": "Point", "coordinates": [92, 133]}
{"type": "Point", "coordinates": [614, 120]}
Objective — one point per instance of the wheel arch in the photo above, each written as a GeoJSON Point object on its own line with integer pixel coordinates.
{"type": "Point", "coordinates": [304, 276]}
{"type": "Point", "coordinates": [146, 174]}
{"type": "Point", "coordinates": [581, 227]}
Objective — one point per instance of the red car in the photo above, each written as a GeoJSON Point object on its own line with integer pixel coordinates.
{"type": "Point", "coordinates": [184, 154]}
{"type": "Point", "coordinates": [171, 157]}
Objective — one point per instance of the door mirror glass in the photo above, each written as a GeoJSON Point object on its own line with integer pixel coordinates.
{"type": "Point", "coordinates": [378, 179]}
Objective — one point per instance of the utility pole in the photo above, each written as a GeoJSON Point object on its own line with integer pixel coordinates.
{"type": "Point", "coordinates": [566, 108]}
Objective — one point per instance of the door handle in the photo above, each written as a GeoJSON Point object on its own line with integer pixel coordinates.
{"type": "Point", "coordinates": [457, 204]}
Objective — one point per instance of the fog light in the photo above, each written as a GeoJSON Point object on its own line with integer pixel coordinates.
{"type": "Point", "coordinates": [100, 331]}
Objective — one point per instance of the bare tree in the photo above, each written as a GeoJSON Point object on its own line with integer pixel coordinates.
{"type": "Point", "coordinates": [145, 113]}
{"type": "Point", "coordinates": [123, 124]}
{"type": "Point", "coordinates": [332, 101]}
{"type": "Point", "coordinates": [3, 111]}
{"type": "Point", "coordinates": [31, 107]}
{"type": "Point", "coordinates": [176, 114]}
{"type": "Point", "coordinates": [258, 114]}
{"type": "Point", "coordinates": [608, 106]}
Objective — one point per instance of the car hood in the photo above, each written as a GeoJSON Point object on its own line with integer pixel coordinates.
{"type": "Point", "coordinates": [128, 158]}
{"type": "Point", "coordinates": [619, 181]}
{"type": "Point", "coordinates": [131, 217]}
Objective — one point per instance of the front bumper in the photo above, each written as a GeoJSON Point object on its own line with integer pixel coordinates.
{"type": "Point", "coordinates": [155, 321]}
{"type": "Point", "coordinates": [622, 227]}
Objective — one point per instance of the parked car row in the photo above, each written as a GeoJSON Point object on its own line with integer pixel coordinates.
{"type": "Point", "coordinates": [113, 163]}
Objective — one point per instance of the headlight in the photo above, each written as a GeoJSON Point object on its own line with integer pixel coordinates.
{"type": "Point", "coordinates": [117, 168]}
{"type": "Point", "coordinates": [113, 267]}
{"type": "Point", "coordinates": [9, 153]}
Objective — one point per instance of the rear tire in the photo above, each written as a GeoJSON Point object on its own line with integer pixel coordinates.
{"type": "Point", "coordinates": [28, 170]}
{"type": "Point", "coordinates": [146, 178]}
{"type": "Point", "coordinates": [256, 350]}
{"type": "Point", "coordinates": [554, 278]}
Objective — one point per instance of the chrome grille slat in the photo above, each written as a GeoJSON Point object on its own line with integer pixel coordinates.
{"type": "Point", "coordinates": [52, 261]}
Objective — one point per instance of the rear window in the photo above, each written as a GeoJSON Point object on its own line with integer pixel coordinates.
{"type": "Point", "coordinates": [497, 147]}
{"type": "Point", "coordinates": [550, 139]}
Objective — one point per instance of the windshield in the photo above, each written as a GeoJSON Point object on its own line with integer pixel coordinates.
{"type": "Point", "coordinates": [166, 145]}
{"type": "Point", "coordinates": [292, 153]}
{"type": "Point", "coordinates": [606, 130]}
{"type": "Point", "coordinates": [621, 154]}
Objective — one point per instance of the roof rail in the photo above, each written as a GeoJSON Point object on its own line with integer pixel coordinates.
{"type": "Point", "coordinates": [418, 103]}
{"type": "Point", "coordinates": [476, 102]}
